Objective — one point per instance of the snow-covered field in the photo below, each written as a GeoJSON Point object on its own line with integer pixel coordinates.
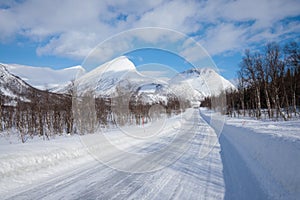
{"type": "Point", "coordinates": [251, 160]}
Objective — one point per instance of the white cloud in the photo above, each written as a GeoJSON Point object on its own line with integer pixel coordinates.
{"type": "Point", "coordinates": [76, 26]}
{"type": "Point", "coordinates": [177, 15]}
{"type": "Point", "coordinates": [225, 37]}
{"type": "Point", "coordinates": [8, 23]}
{"type": "Point", "coordinates": [193, 52]}
{"type": "Point", "coordinates": [265, 12]}
{"type": "Point", "coordinates": [72, 44]}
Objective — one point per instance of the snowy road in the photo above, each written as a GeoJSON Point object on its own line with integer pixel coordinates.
{"type": "Point", "coordinates": [189, 177]}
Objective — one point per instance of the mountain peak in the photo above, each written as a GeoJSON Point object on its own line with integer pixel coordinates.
{"type": "Point", "coordinates": [198, 71]}
{"type": "Point", "coordinates": [121, 63]}
{"type": "Point", "coordinates": [76, 67]}
{"type": "Point", "coordinates": [12, 88]}
{"type": "Point", "coordinates": [205, 81]}
{"type": "Point", "coordinates": [104, 78]}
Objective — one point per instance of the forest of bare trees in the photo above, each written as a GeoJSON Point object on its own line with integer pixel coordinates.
{"type": "Point", "coordinates": [268, 84]}
{"type": "Point", "coordinates": [48, 114]}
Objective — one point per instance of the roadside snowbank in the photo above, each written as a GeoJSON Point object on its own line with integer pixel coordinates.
{"type": "Point", "coordinates": [270, 149]}
{"type": "Point", "coordinates": [24, 164]}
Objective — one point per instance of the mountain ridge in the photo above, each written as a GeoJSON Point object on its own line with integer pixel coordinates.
{"type": "Point", "coordinates": [45, 78]}
{"type": "Point", "coordinates": [193, 84]}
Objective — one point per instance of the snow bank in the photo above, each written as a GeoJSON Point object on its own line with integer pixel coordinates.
{"type": "Point", "coordinates": [24, 164]}
{"type": "Point", "coordinates": [272, 152]}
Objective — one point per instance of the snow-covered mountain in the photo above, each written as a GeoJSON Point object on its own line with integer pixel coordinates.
{"type": "Point", "coordinates": [193, 84]}
{"type": "Point", "coordinates": [12, 88]}
{"type": "Point", "coordinates": [200, 83]}
{"type": "Point", "coordinates": [44, 77]}
{"type": "Point", "coordinates": [120, 77]}
{"type": "Point", "coordinates": [109, 78]}
{"type": "Point", "coordinates": [105, 79]}
{"type": "Point", "coordinates": [154, 92]}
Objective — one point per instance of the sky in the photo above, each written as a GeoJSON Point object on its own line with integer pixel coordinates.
{"type": "Point", "coordinates": [62, 33]}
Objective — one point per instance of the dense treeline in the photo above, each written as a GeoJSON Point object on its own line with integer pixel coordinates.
{"type": "Point", "coordinates": [48, 114]}
{"type": "Point", "coordinates": [268, 83]}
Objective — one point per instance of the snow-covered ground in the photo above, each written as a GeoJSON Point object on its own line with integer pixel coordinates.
{"type": "Point", "coordinates": [251, 160]}
{"type": "Point", "coordinates": [36, 160]}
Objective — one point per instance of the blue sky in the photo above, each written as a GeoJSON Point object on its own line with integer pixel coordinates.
{"type": "Point", "coordinates": [61, 33]}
